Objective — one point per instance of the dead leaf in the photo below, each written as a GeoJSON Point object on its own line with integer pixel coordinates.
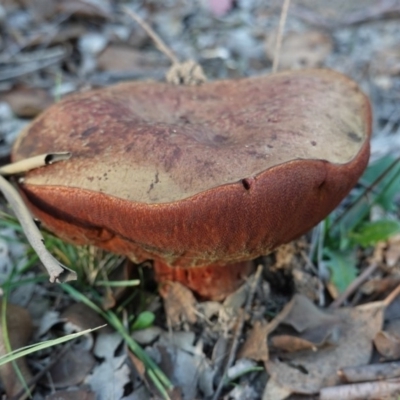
{"type": "Point", "coordinates": [301, 49]}
{"type": "Point", "coordinates": [71, 369]}
{"type": "Point", "coordinates": [305, 316]}
{"type": "Point", "coordinates": [118, 57]}
{"type": "Point", "coordinates": [179, 303]}
{"type": "Point", "coordinates": [82, 317]}
{"type": "Point", "coordinates": [310, 371]}
{"type": "Point", "coordinates": [387, 342]}
{"type": "Point", "coordinates": [393, 248]}
{"type": "Point", "coordinates": [291, 344]}
{"type": "Point", "coordinates": [255, 347]}
{"type": "Point", "coordinates": [72, 395]}
{"type": "Point", "coordinates": [274, 391]}
{"type": "Point", "coordinates": [85, 8]}
{"type": "Point", "coordinates": [19, 327]}
{"type": "Point", "coordinates": [27, 102]}
{"type": "Point", "coordinates": [386, 62]}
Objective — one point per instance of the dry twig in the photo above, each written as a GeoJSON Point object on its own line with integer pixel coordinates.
{"type": "Point", "coordinates": [239, 328]}
{"type": "Point", "coordinates": [56, 271]}
{"type": "Point", "coordinates": [354, 285]}
{"type": "Point", "coordinates": [279, 36]}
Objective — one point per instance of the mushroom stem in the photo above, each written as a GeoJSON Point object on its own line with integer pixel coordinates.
{"type": "Point", "coordinates": [211, 282]}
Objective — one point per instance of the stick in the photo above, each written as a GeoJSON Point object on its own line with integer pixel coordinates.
{"type": "Point", "coordinates": [279, 36]}
{"type": "Point", "coordinates": [57, 271]}
{"type": "Point", "coordinates": [238, 331]}
{"type": "Point", "coordinates": [33, 162]}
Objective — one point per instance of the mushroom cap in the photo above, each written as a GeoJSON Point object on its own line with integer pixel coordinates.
{"type": "Point", "coordinates": [217, 173]}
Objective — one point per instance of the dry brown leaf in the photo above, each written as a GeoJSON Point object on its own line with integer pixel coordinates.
{"type": "Point", "coordinates": [274, 391]}
{"type": "Point", "coordinates": [255, 347]}
{"type": "Point", "coordinates": [82, 317]}
{"type": "Point", "coordinates": [123, 58]}
{"type": "Point", "coordinates": [179, 303]}
{"type": "Point", "coordinates": [387, 342]}
{"type": "Point", "coordinates": [71, 369]}
{"type": "Point", "coordinates": [290, 344]}
{"type": "Point", "coordinates": [301, 49]}
{"type": "Point", "coordinates": [27, 102]}
{"type": "Point", "coordinates": [310, 371]}
{"type": "Point", "coordinates": [305, 315]}
{"type": "Point", "coordinates": [386, 62]}
{"type": "Point", "coordinates": [393, 246]}
{"type": "Point", "coordinates": [72, 395]}
{"type": "Point", "coordinates": [19, 327]}
{"type": "Point", "coordinates": [85, 8]}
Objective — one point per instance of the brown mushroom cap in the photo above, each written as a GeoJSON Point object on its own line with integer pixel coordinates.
{"type": "Point", "coordinates": [219, 173]}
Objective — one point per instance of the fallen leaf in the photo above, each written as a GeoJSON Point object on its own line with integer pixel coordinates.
{"type": "Point", "coordinates": [82, 317]}
{"type": "Point", "coordinates": [301, 49]}
{"type": "Point", "coordinates": [310, 371]}
{"type": "Point", "coordinates": [386, 62]}
{"type": "Point", "coordinates": [179, 303]}
{"type": "Point", "coordinates": [71, 369]}
{"type": "Point", "coordinates": [19, 328]}
{"type": "Point", "coordinates": [387, 341]}
{"type": "Point", "coordinates": [27, 102]}
{"type": "Point", "coordinates": [392, 254]}
{"type": "Point", "coordinates": [72, 395]}
{"type": "Point", "coordinates": [118, 57]}
{"type": "Point", "coordinates": [255, 347]}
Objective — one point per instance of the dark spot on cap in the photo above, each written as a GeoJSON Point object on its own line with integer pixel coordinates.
{"type": "Point", "coordinates": [88, 132]}
{"type": "Point", "coordinates": [313, 142]}
{"type": "Point", "coordinates": [354, 136]}
{"type": "Point", "coordinates": [220, 138]}
{"type": "Point", "coordinates": [247, 183]}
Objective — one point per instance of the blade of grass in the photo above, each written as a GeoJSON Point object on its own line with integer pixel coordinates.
{"type": "Point", "coordinates": [7, 344]}
{"type": "Point", "coordinates": [23, 351]}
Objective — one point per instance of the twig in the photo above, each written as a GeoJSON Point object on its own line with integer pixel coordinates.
{"type": "Point", "coordinates": [239, 329]}
{"type": "Point", "coordinates": [57, 271]}
{"type": "Point", "coordinates": [391, 296]}
{"type": "Point", "coordinates": [156, 39]}
{"type": "Point", "coordinates": [279, 36]}
{"type": "Point", "coordinates": [370, 372]}
{"type": "Point", "coordinates": [188, 72]}
{"type": "Point", "coordinates": [354, 285]}
{"type": "Point", "coordinates": [376, 12]}
{"type": "Point", "coordinates": [33, 162]}
{"type": "Point", "coordinates": [375, 390]}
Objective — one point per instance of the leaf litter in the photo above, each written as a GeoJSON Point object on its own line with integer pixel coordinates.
{"type": "Point", "coordinates": [50, 49]}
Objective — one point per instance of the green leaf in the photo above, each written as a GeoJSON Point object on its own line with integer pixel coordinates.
{"type": "Point", "coordinates": [343, 268]}
{"type": "Point", "coordinates": [143, 320]}
{"type": "Point", "coordinates": [370, 233]}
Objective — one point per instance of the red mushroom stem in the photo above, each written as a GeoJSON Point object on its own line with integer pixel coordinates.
{"type": "Point", "coordinates": [212, 281]}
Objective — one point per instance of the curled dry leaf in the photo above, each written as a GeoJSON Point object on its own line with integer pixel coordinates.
{"type": "Point", "coordinates": [387, 342]}
{"type": "Point", "coordinates": [19, 328]}
{"type": "Point", "coordinates": [255, 347]}
{"type": "Point", "coordinates": [123, 58]}
{"type": "Point", "coordinates": [82, 317]}
{"type": "Point", "coordinates": [179, 303]}
{"type": "Point", "coordinates": [301, 49]}
{"type": "Point", "coordinates": [27, 102]}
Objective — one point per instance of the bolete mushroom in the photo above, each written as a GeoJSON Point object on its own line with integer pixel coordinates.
{"type": "Point", "coordinates": [198, 179]}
